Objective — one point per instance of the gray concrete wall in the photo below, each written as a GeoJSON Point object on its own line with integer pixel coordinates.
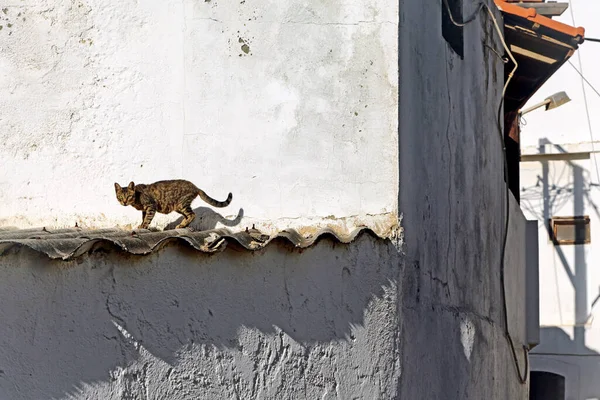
{"type": "Point", "coordinates": [364, 321]}
{"type": "Point", "coordinates": [178, 324]}
{"type": "Point", "coordinates": [452, 196]}
{"type": "Point", "coordinates": [332, 321]}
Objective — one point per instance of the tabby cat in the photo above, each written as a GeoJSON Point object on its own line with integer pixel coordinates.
{"type": "Point", "coordinates": [165, 197]}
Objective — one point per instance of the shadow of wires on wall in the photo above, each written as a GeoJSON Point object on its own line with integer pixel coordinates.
{"type": "Point", "coordinates": [563, 182]}
{"type": "Point", "coordinates": [110, 320]}
{"type": "Point", "coordinates": [563, 189]}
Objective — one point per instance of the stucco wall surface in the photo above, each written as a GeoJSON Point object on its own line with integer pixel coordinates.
{"type": "Point", "coordinates": [453, 200]}
{"type": "Point", "coordinates": [291, 107]}
{"type": "Point", "coordinates": [178, 324]}
{"type": "Point", "coordinates": [332, 321]}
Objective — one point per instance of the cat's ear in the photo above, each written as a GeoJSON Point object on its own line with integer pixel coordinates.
{"type": "Point", "coordinates": [117, 187]}
{"type": "Point", "coordinates": [131, 186]}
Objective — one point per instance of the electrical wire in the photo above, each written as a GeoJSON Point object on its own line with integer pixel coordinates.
{"type": "Point", "coordinates": [468, 20]}
{"type": "Point", "coordinates": [504, 59]}
{"type": "Point", "coordinates": [587, 108]}
{"type": "Point", "coordinates": [584, 79]}
{"type": "Point", "coordinates": [588, 114]}
{"type": "Point", "coordinates": [507, 335]}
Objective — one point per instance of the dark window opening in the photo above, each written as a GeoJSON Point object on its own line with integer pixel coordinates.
{"type": "Point", "coordinates": [452, 33]}
{"type": "Point", "coordinates": [546, 386]}
{"type": "Point", "coordinates": [570, 230]}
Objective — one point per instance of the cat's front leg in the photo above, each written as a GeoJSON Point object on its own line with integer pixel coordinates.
{"type": "Point", "coordinates": [147, 215]}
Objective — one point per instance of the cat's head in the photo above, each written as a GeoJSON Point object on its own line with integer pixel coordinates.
{"type": "Point", "coordinates": [125, 195]}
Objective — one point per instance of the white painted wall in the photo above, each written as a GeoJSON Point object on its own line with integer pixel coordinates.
{"type": "Point", "coordinates": [569, 277]}
{"type": "Point", "coordinates": [568, 127]}
{"type": "Point", "coordinates": [303, 125]}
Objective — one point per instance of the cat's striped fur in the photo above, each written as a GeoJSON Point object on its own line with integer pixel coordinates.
{"type": "Point", "coordinates": [165, 197]}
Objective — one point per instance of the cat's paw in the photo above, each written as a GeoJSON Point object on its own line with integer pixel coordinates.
{"type": "Point", "coordinates": [189, 228]}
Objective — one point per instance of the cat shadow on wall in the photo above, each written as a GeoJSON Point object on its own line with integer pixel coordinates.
{"type": "Point", "coordinates": [207, 219]}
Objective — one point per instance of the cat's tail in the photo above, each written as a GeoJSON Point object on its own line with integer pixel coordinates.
{"type": "Point", "coordinates": [213, 202]}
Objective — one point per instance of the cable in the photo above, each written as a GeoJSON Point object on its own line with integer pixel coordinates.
{"type": "Point", "coordinates": [587, 109]}
{"type": "Point", "coordinates": [500, 56]}
{"type": "Point", "coordinates": [584, 79]}
{"type": "Point", "coordinates": [469, 20]}
{"type": "Point", "coordinates": [522, 376]}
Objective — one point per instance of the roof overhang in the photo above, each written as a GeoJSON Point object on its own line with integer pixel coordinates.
{"type": "Point", "coordinates": [540, 46]}
{"type": "Point", "coordinates": [550, 9]}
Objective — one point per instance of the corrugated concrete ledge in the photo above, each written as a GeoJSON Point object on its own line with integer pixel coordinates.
{"type": "Point", "coordinates": [70, 243]}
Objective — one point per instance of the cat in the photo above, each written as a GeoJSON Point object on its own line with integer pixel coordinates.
{"type": "Point", "coordinates": [165, 197]}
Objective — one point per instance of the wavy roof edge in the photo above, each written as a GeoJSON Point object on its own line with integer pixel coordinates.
{"type": "Point", "coordinates": [68, 244]}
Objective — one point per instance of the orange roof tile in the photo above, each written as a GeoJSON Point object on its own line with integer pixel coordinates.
{"type": "Point", "coordinates": [532, 15]}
